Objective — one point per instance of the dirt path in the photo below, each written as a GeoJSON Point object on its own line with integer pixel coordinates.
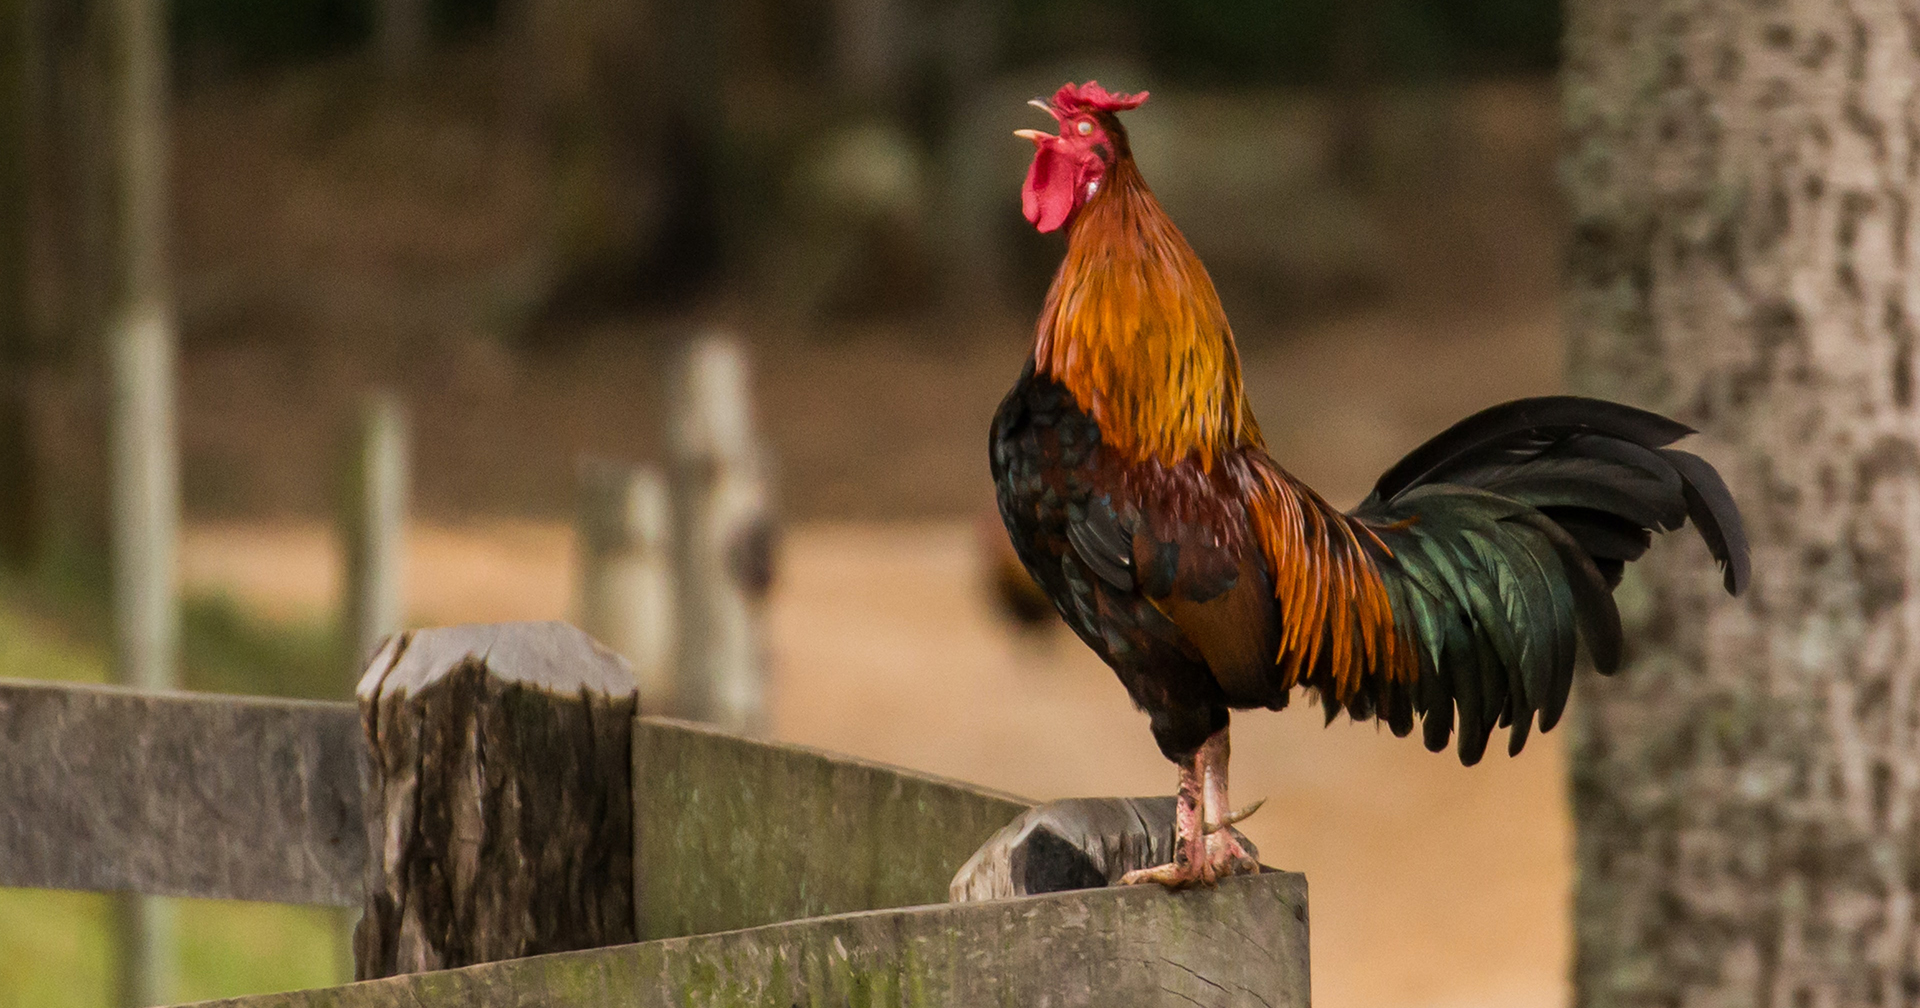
{"type": "Point", "coordinates": [1433, 886]}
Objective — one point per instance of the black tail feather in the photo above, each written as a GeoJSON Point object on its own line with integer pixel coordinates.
{"type": "Point", "coordinates": [1715, 514]}
{"type": "Point", "coordinates": [1505, 536]}
{"type": "Point", "coordinates": [1550, 417]}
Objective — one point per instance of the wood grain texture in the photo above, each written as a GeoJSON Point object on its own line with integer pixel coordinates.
{"type": "Point", "coordinates": [732, 833]}
{"type": "Point", "coordinates": [1243, 944]}
{"type": "Point", "coordinates": [179, 795]}
{"type": "Point", "coordinates": [499, 813]}
{"type": "Point", "coordinates": [1073, 843]}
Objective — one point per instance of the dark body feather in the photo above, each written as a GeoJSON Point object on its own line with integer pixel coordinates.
{"type": "Point", "coordinates": [1498, 543]}
{"type": "Point", "coordinates": [1056, 483]}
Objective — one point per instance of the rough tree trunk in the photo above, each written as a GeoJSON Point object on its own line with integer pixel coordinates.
{"type": "Point", "coordinates": [1742, 178]}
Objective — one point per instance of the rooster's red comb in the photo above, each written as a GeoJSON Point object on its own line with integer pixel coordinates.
{"type": "Point", "coordinates": [1091, 97]}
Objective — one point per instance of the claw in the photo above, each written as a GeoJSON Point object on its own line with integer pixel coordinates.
{"type": "Point", "coordinates": [1232, 817]}
{"type": "Point", "coordinates": [1174, 876]}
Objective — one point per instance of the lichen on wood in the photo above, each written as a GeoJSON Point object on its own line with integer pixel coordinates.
{"type": "Point", "coordinates": [1242, 945]}
{"type": "Point", "coordinates": [735, 833]}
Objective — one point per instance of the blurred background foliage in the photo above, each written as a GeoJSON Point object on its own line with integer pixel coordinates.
{"type": "Point", "coordinates": [515, 225]}
{"type": "Point", "coordinates": [1185, 41]}
{"type": "Point", "coordinates": [554, 189]}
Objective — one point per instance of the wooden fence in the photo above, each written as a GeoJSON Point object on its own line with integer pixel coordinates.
{"type": "Point", "coordinates": [760, 873]}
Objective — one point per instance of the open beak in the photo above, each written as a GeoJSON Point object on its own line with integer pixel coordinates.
{"type": "Point", "coordinates": [1036, 135]}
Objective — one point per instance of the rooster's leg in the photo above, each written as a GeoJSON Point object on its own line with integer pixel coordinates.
{"type": "Point", "coordinates": [1223, 851]}
{"type": "Point", "coordinates": [1204, 849]}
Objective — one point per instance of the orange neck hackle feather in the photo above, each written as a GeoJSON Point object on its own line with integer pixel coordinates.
{"type": "Point", "coordinates": [1135, 332]}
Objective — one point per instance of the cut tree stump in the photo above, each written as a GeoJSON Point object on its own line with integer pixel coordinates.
{"type": "Point", "coordinates": [1075, 843]}
{"type": "Point", "coordinates": [499, 811]}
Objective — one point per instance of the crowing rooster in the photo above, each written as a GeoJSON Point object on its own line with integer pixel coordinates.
{"type": "Point", "coordinates": [1137, 490]}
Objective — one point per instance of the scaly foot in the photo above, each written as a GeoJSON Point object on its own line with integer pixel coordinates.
{"type": "Point", "coordinates": [1218, 855]}
{"type": "Point", "coordinates": [1231, 860]}
{"type": "Point", "coordinates": [1205, 850]}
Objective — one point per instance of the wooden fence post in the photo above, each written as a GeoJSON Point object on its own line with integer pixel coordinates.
{"type": "Point", "coordinates": [144, 501]}
{"type": "Point", "coordinates": [723, 531]}
{"type": "Point", "coordinates": [625, 600]}
{"type": "Point", "coordinates": [372, 520]}
{"type": "Point", "coordinates": [499, 811]}
{"type": "Point", "coordinates": [373, 523]}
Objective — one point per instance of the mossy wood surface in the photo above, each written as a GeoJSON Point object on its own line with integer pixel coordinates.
{"type": "Point", "coordinates": [175, 794]}
{"type": "Point", "coordinates": [498, 810]}
{"type": "Point", "coordinates": [731, 833]}
{"type": "Point", "coordinates": [1243, 944]}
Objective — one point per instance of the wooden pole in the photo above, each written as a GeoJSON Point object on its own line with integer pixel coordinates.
{"type": "Point", "coordinates": [624, 564]}
{"type": "Point", "coordinates": [373, 520]}
{"type": "Point", "coordinates": [723, 540]}
{"type": "Point", "coordinates": [144, 499]}
{"type": "Point", "coordinates": [499, 811]}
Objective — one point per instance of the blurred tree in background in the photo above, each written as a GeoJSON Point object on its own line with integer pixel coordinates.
{"type": "Point", "coordinates": [1744, 791]}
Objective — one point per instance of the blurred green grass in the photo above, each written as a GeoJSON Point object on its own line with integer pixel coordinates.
{"type": "Point", "coordinates": [53, 945]}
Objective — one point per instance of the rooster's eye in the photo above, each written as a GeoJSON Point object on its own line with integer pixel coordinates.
{"type": "Point", "coordinates": [1085, 127]}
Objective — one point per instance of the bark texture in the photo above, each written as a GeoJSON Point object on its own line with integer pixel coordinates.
{"type": "Point", "coordinates": [499, 812]}
{"type": "Point", "coordinates": [1742, 177]}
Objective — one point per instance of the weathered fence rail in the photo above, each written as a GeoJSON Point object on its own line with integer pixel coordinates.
{"type": "Point", "coordinates": [736, 834]}
{"type": "Point", "coordinates": [1244, 944]}
{"type": "Point", "coordinates": [175, 794]}
{"type": "Point", "coordinates": [226, 797]}
{"type": "Point", "coordinates": [762, 873]}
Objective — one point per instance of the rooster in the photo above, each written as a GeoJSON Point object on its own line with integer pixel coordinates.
{"type": "Point", "coordinates": [1138, 492]}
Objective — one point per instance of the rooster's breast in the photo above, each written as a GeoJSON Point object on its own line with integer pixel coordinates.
{"type": "Point", "coordinates": [1049, 469]}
